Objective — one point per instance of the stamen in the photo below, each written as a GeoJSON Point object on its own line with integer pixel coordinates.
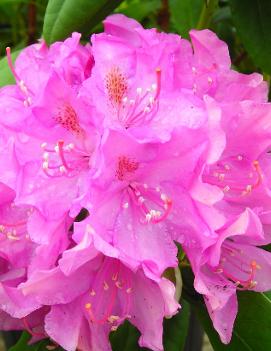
{"type": "Point", "coordinates": [115, 276]}
{"type": "Point", "coordinates": [12, 236]}
{"type": "Point", "coordinates": [158, 83]}
{"type": "Point", "coordinates": [232, 257]}
{"type": "Point", "coordinates": [119, 285]}
{"type": "Point", "coordinates": [132, 111]}
{"type": "Point", "coordinates": [143, 194]}
{"type": "Point", "coordinates": [15, 230]}
{"type": "Point", "coordinates": [236, 176]}
{"type": "Point", "coordinates": [10, 64]}
{"type": "Point", "coordinates": [72, 160]}
{"type": "Point", "coordinates": [259, 172]}
{"type": "Point", "coordinates": [20, 83]}
{"type": "Point", "coordinates": [103, 304]}
{"type": "Point", "coordinates": [111, 319]}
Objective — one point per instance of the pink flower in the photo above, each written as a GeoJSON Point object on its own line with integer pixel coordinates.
{"type": "Point", "coordinates": [132, 82]}
{"type": "Point", "coordinates": [239, 177]}
{"type": "Point", "coordinates": [45, 135]}
{"type": "Point", "coordinates": [15, 256]}
{"type": "Point", "coordinates": [92, 294]}
{"type": "Point", "coordinates": [233, 263]}
{"type": "Point", "coordinates": [146, 140]}
{"type": "Point", "coordinates": [33, 323]}
{"type": "Point", "coordinates": [35, 64]}
{"type": "Point", "coordinates": [20, 254]}
{"type": "Point", "coordinates": [53, 153]}
{"type": "Point", "coordinates": [137, 193]}
{"type": "Point", "coordinates": [207, 70]}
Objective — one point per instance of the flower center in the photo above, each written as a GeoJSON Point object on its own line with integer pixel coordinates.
{"type": "Point", "coordinates": [136, 111]}
{"type": "Point", "coordinates": [236, 176]}
{"type": "Point", "coordinates": [154, 206]}
{"type": "Point", "coordinates": [111, 287]}
{"type": "Point", "coordinates": [237, 267]}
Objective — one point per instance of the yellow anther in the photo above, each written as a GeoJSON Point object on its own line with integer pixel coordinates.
{"type": "Point", "coordinates": [88, 306]}
{"type": "Point", "coordinates": [111, 319]}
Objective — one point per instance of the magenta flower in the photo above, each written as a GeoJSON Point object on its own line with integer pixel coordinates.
{"type": "Point", "coordinates": [138, 198]}
{"type": "Point", "coordinates": [233, 263]}
{"type": "Point", "coordinates": [132, 82]}
{"type": "Point", "coordinates": [20, 254]}
{"type": "Point", "coordinates": [207, 70]}
{"type": "Point", "coordinates": [55, 150]}
{"type": "Point", "coordinates": [92, 294]}
{"type": "Point", "coordinates": [15, 255]}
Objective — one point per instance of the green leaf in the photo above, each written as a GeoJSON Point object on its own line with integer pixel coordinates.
{"type": "Point", "coordinates": [125, 338]}
{"type": "Point", "coordinates": [62, 17]}
{"type": "Point", "coordinates": [252, 19]}
{"type": "Point", "coordinates": [139, 10]}
{"type": "Point", "coordinates": [6, 76]}
{"type": "Point", "coordinates": [176, 329]}
{"type": "Point", "coordinates": [185, 14]}
{"type": "Point", "coordinates": [207, 13]}
{"type": "Point", "coordinates": [175, 332]}
{"type": "Point", "coordinates": [22, 344]}
{"type": "Point", "coordinates": [252, 327]}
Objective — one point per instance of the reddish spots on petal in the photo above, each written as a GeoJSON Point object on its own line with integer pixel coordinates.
{"type": "Point", "coordinates": [116, 85]}
{"type": "Point", "coordinates": [125, 165]}
{"type": "Point", "coordinates": [67, 117]}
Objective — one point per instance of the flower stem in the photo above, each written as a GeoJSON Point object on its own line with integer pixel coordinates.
{"type": "Point", "coordinates": [206, 13]}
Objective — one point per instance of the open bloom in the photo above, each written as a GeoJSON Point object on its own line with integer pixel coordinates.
{"type": "Point", "coordinates": [53, 153]}
{"type": "Point", "coordinates": [15, 255]}
{"type": "Point", "coordinates": [91, 293]}
{"type": "Point", "coordinates": [138, 192]}
{"type": "Point", "coordinates": [23, 249]}
{"type": "Point", "coordinates": [233, 263]}
{"type": "Point", "coordinates": [132, 83]}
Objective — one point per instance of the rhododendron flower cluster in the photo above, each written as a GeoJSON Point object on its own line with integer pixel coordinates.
{"type": "Point", "coordinates": [113, 152]}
